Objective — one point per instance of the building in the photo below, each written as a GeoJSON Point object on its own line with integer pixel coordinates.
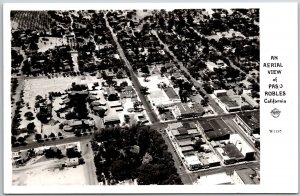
{"type": "Point", "coordinates": [246, 84]}
{"type": "Point", "coordinates": [117, 105]}
{"type": "Point", "coordinates": [229, 104]}
{"type": "Point", "coordinates": [78, 124]}
{"type": "Point", "coordinates": [20, 158]}
{"type": "Point", "coordinates": [229, 154]}
{"type": "Point", "coordinates": [111, 93]}
{"type": "Point", "coordinates": [243, 146]}
{"type": "Point", "coordinates": [111, 119]}
{"type": "Point", "coordinates": [249, 122]}
{"type": "Point", "coordinates": [219, 93]}
{"type": "Point", "coordinates": [192, 162]}
{"type": "Point", "coordinates": [128, 92]}
{"type": "Point", "coordinates": [245, 176]}
{"type": "Point", "coordinates": [209, 160]}
{"type": "Point", "coordinates": [185, 142]}
{"type": "Point", "coordinates": [182, 110]}
{"type": "Point", "coordinates": [216, 129]}
{"type": "Point", "coordinates": [205, 126]}
{"type": "Point", "coordinates": [215, 179]}
{"type": "Point", "coordinates": [198, 109]}
{"type": "Point", "coordinates": [236, 150]}
{"type": "Point", "coordinates": [72, 162]}
{"type": "Point", "coordinates": [250, 100]}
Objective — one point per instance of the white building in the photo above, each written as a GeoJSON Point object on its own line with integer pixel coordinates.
{"type": "Point", "coordinates": [243, 146]}
{"type": "Point", "coordinates": [215, 179]}
{"type": "Point", "coordinates": [218, 93]}
{"type": "Point", "coordinates": [192, 162]}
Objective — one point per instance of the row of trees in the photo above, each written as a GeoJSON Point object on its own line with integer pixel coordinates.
{"type": "Point", "coordinates": [133, 153]}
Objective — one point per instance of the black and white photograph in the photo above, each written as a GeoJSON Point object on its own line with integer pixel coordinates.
{"type": "Point", "coordinates": [133, 97]}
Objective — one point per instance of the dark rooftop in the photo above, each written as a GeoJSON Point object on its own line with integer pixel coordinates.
{"type": "Point", "coordinates": [206, 126]}
{"type": "Point", "coordinates": [248, 176]}
{"type": "Point", "coordinates": [182, 130]}
{"type": "Point", "coordinates": [219, 125]}
{"type": "Point", "coordinates": [232, 151]}
{"type": "Point", "coordinates": [228, 101]}
{"type": "Point", "coordinates": [251, 119]}
{"type": "Point", "coordinates": [189, 125]}
{"type": "Point", "coordinates": [217, 135]}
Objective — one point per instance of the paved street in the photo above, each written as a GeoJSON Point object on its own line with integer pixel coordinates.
{"type": "Point", "coordinates": [158, 125]}
{"type": "Point", "coordinates": [88, 156]}
{"type": "Point", "coordinates": [185, 177]}
{"type": "Point", "coordinates": [134, 79]}
{"type": "Point", "coordinates": [211, 102]}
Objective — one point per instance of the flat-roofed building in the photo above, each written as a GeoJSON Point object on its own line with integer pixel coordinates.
{"type": "Point", "coordinates": [218, 93]}
{"type": "Point", "coordinates": [220, 131]}
{"type": "Point", "coordinates": [185, 149]}
{"type": "Point", "coordinates": [185, 142]}
{"type": "Point", "coordinates": [245, 176]}
{"type": "Point", "coordinates": [192, 162]}
{"type": "Point", "coordinates": [215, 179]}
{"type": "Point", "coordinates": [229, 104]}
{"type": "Point", "coordinates": [250, 100]}
{"type": "Point", "coordinates": [111, 118]}
{"type": "Point", "coordinates": [250, 122]}
{"type": "Point", "coordinates": [229, 154]}
{"type": "Point", "coordinates": [198, 109]}
{"type": "Point", "coordinates": [243, 146]}
{"type": "Point", "coordinates": [182, 110]}
{"type": "Point", "coordinates": [128, 92]}
{"type": "Point", "coordinates": [205, 126]}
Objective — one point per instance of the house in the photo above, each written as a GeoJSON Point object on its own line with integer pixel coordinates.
{"type": "Point", "coordinates": [128, 92]}
{"type": "Point", "coordinates": [72, 162]}
{"type": "Point", "coordinates": [112, 118]}
{"type": "Point", "coordinates": [110, 92]}
{"type": "Point", "coordinates": [246, 84]}
{"type": "Point", "coordinates": [21, 157]}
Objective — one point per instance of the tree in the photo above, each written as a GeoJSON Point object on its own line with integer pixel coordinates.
{"type": "Point", "coordinates": [163, 70]}
{"type": "Point", "coordinates": [144, 90]}
{"type": "Point", "coordinates": [38, 136]}
{"type": "Point", "coordinates": [30, 127]}
{"type": "Point", "coordinates": [119, 74]}
{"type": "Point", "coordinates": [145, 69]}
{"type": "Point", "coordinates": [53, 153]}
{"type": "Point", "coordinates": [29, 116]}
{"type": "Point", "coordinates": [124, 84]}
{"type": "Point", "coordinates": [38, 98]}
{"type": "Point", "coordinates": [137, 104]}
{"type": "Point", "coordinates": [72, 153]}
{"type": "Point", "coordinates": [52, 135]}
